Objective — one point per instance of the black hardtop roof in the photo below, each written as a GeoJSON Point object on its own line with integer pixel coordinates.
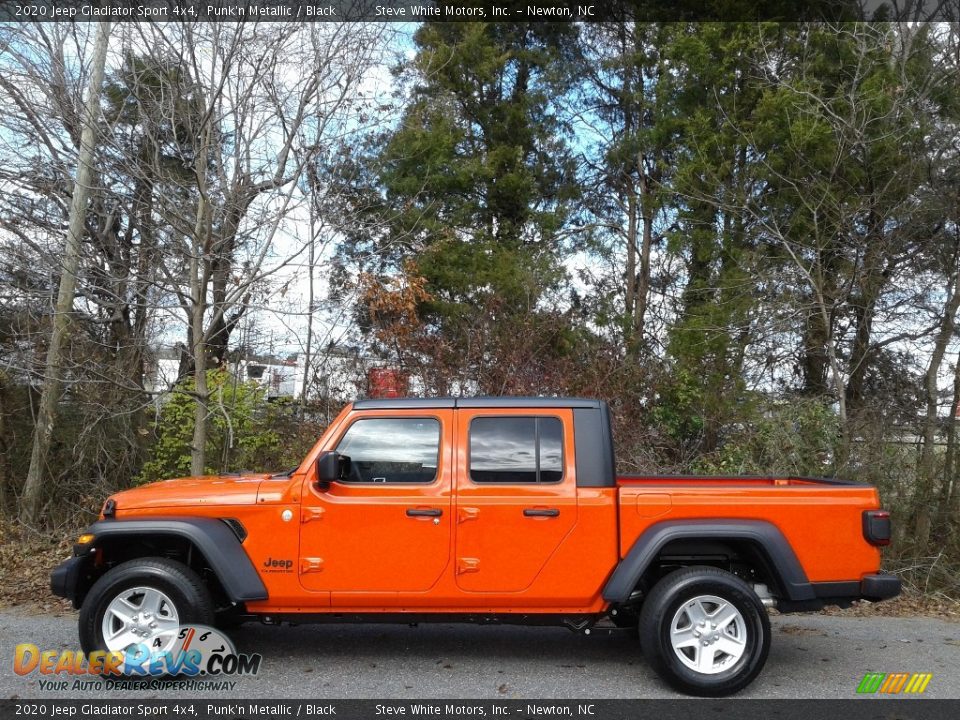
{"type": "Point", "coordinates": [476, 402]}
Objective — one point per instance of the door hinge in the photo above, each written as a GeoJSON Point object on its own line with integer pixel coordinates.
{"type": "Point", "coordinates": [311, 513]}
{"type": "Point", "coordinates": [467, 513]}
{"type": "Point", "coordinates": [467, 565]}
{"type": "Point", "coordinates": [311, 565]}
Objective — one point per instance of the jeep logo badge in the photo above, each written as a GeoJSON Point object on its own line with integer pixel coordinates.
{"type": "Point", "coordinates": [281, 565]}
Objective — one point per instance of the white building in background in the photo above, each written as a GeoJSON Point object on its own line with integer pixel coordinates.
{"type": "Point", "coordinates": [338, 372]}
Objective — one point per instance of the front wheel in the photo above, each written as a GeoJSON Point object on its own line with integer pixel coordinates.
{"type": "Point", "coordinates": [705, 631]}
{"type": "Point", "coordinates": [141, 599]}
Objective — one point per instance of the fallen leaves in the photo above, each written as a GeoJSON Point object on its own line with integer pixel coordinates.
{"type": "Point", "coordinates": [26, 559]}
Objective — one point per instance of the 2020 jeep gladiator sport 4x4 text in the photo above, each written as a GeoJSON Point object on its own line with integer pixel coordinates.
{"type": "Point", "coordinates": [483, 510]}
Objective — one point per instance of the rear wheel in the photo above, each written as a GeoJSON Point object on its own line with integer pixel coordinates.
{"type": "Point", "coordinates": [705, 631]}
{"type": "Point", "coordinates": [140, 599]}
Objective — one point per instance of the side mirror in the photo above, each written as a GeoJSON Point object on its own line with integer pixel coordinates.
{"type": "Point", "coordinates": [332, 466]}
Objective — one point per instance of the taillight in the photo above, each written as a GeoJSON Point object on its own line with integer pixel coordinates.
{"type": "Point", "coordinates": [876, 527]}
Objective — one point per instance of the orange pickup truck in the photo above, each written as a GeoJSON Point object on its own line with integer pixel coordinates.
{"type": "Point", "coordinates": [488, 510]}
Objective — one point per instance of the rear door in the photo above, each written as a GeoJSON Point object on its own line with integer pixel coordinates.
{"type": "Point", "coordinates": [516, 495]}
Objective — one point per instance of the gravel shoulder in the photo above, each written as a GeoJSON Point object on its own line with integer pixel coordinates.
{"type": "Point", "coordinates": [812, 656]}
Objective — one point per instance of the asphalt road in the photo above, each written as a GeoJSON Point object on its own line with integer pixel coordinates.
{"type": "Point", "coordinates": [812, 656]}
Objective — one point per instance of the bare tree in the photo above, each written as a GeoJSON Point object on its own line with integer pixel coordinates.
{"type": "Point", "coordinates": [31, 500]}
{"type": "Point", "coordinates": [266, 98]}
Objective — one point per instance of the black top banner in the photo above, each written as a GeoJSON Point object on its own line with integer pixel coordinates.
{"type": "Point", "coordinates": [477, 10]}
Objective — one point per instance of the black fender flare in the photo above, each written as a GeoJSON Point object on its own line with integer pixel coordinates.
{"type": "Point", "coordinates": [767, 536]}
{"type": "Point", "coordinates": [212, 537]}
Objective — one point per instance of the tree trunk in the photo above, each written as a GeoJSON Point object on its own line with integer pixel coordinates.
{"type": "Point", "coordinates": [5, 491]}
{"type": "Point", "coordinates": [875, 275]}
{"type": "Point", "coordinates": [924, 495]}
{"type": "Point", "coordinates": [307, 360]}
{"type": "Point", "coordinates": [199, 282]}
{"type": "Point", "coordinates": [198, 454]}
{"type": "Point", "coordinates": [643, 277]}
{"type": "Point", "coordinates": [630, 299]}
{"type": "Point", "coordinates": [948, 492]}
{"type": "Point", "coordinates": [32, 499]}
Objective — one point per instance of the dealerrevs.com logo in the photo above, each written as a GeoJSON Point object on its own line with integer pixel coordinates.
{"type": "Point", "coordinates": [894, 683]}
{"type": "Point", "coordinates": [188, 651]}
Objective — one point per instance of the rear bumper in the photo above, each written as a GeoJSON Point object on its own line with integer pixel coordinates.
{"type": "Point", "coordinates": [65, 579]}
{"type": "Point", "coordinates": [879, 586]}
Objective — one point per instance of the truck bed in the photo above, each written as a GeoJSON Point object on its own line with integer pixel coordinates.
{"type": "Point", "coordinates": [821, 518]}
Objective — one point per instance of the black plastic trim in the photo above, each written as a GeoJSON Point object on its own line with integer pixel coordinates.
{"type": "Point", "coordinates": [237, 527]}
{"type": "Point", "coordinates": [880, 586]}
{"type": "Point", "coordinates": [405, 404]}
{"type": "Point", "coordinates": [594, 462]}
{"type": "Point", "coordinates": [574, 622]}
{"type": "Point", "coordinates": [874, 588]}
{"type": "Point", "coordinates": [541, 512]}
{"type": "Point", "coordinates": [211, 537]}
{"type": "Point", "coordinates": [65, 578]}
{"type": "Point", "coordinates": [478, 402]}
{"type": "Point", "coordinates": [790, 575]}
{"type": "Point", "coordinates": [844, 588]}
{"type": "Point", "coordinates": [526, 402]}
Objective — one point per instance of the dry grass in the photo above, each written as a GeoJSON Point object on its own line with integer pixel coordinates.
{"type": "Point", "coordinates": [908, 604]}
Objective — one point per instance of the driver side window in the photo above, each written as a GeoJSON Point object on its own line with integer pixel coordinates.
{"type": "Point", "coordinates": [392, 450]}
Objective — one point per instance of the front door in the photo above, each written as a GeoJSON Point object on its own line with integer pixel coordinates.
{"type": "Point", "coordinates": [516, 496]}
{"type": "Point", "coordinates": [386, 527]}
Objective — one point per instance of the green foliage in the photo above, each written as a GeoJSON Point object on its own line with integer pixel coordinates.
{"type": "Point", "coordinates": [707, 105]}
{"type": "Point", "coordinates": [477, 180]}
{"type": "Point", "coordinates": [795, 437]}
{"type": "Point", "coordinates": [680, 409]}
{"type": "Point", "coordinates": [263, 434]}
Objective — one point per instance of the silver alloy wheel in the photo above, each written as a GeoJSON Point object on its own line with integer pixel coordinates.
{"type": "Point", "coordinates": [139, 613]}
{"type": "Point", "coordinates": [708, 634]}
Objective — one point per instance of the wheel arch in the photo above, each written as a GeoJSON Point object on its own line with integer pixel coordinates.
{"type": "Point", "coordinates": [762, 541]}
{"type": "Point", "coordinates": [202, 543]}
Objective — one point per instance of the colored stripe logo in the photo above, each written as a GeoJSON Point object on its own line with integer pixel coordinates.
{"type": "Point", "coordinates": [894, 683]}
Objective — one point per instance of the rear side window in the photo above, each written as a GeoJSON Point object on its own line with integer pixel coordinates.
{"type": "Point", "coordinates": [392, 450]}
{"type": "Point", "coordinates": [516, 450]}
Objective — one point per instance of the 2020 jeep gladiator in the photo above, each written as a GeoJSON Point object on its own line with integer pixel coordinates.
{"type": "Point", "coordinates": [483, 510]}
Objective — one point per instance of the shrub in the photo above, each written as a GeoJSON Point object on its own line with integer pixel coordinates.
{"type": "Point", "coordinates": [246, 431]}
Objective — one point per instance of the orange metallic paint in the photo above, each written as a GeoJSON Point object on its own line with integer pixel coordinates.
{"type": "Point", "coordinates": [498, 548]}
{"type": "Point", "coordinates": [816, 519]}
{"type": "Point", "coordinates": [354, 549]}
{"type": "Point", "coordinates": [363, 545]}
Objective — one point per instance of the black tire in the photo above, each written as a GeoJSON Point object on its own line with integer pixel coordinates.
{"type": "Point", "coordinates": [178, 582]}
{"type": "Point", "coordinates": [664, 603]}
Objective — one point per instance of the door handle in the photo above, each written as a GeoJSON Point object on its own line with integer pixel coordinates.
{"type": "Point", "coordinates": [541, 512]}
{"type": "Point", "coordinates": [424, 512]}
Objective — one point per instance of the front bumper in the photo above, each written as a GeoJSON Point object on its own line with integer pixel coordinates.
{"type": "Point", "coordinates": [66, 578]}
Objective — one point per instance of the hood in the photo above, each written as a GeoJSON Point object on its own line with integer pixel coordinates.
{"type": "Point", "coordinates": [192, 491]}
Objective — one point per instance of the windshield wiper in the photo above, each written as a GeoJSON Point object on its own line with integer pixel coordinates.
{"type": "Point", "coordinates": [286, 473]}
